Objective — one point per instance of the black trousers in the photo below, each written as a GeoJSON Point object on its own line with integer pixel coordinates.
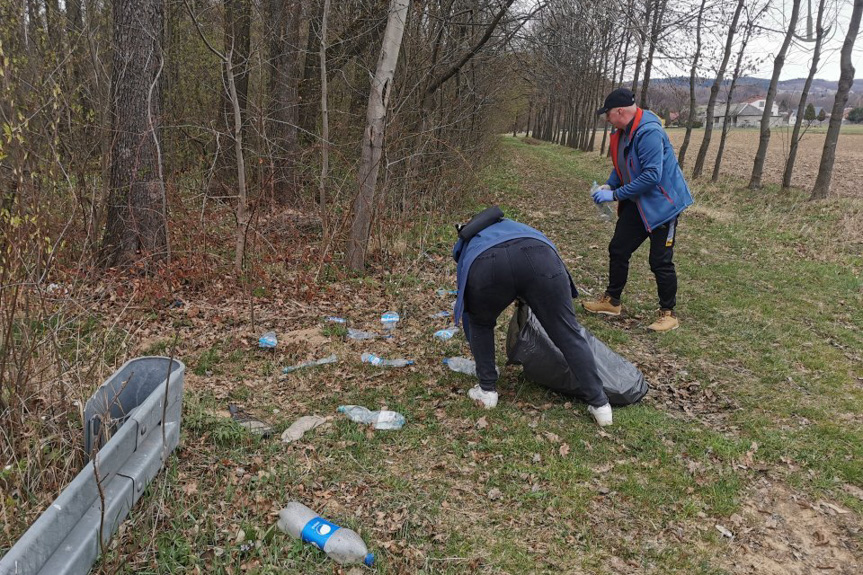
{"type": "Point", "coordinates": [532, 270]}
{"type": "Point", "coordinates": [629, 234]}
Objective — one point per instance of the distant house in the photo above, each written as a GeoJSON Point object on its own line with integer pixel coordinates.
{"type": "Point", "coordinates": [748, 114]}
{"type": "Point", "coordinates": [792, 117]}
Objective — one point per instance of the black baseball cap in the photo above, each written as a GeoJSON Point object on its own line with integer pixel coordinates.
{"type": "Point", "coordinates": [620, 98]}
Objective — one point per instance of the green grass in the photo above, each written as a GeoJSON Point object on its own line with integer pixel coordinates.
{"type": "Point", "coordinates": [762, 380]}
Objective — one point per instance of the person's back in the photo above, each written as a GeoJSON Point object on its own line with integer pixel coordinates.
{"type": "Point", "coordinates": [506, 260]}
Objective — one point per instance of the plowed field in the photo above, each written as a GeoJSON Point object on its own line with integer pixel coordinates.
{"type": "Point", "coordinates": [742, 144]}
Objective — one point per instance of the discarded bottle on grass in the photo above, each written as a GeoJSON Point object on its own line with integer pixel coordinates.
{"type": "Point", "coordinates": [334, 319]}
{"type": "Point", "coordinates": [381, 419]}
{"type": "Point", "coordinates": [343, 545]}
{"type": "Point", "coordinates": [323, 361]}
{"type": "Point", "coordinates": [605, 209]}
{"type": "Point", "coordinates": [381, 362]}
{"type": "Point", "coordinates": [359, 334]}
{"type": "Point", "coordinates": [445, 334]}
{"type": "Point", "coordinates": [461, 365]}
{"type": "Point", "coordinates": [389, 319]}
{"type": "Point", "coordinates": [447, 291]}
{"type": "Point", "coordinates": [442, 313]}
{"type": "Point", "coordinates": [268, 340]}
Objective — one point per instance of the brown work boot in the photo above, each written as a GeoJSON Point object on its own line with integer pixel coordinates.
{"type": "Point", "coordinates": [666, 321]}
{"type": "Point", "coordinates": [602, 305]}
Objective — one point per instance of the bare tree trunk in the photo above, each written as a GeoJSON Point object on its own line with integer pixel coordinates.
{"type": "Point", "coordinates": [283, 94]}
{"type": "Point", "coordinates": [846, 79]}
{"type": "Point", "coordinates": [714, 92]}
{"type": "Point", "coordinates": [238, 19]}
{"type": "Point", "coordinates": [137, 227]}
{"type": "Point", "coordinates": [693, 75]}
{"type": "Point", "coordinates": [804, 95]}
{"type": "Point", "coordinates": [748, 29]}
{"type": "Point", "coordinates": [639, 23]}
{"type": "Point", "coordinates": [655, 31]}
{"type": "Point", "coordinates": [372, 149]}
{"type": "Point", "coordinates": [325, 123]}
{"type": "Point", "coordinates": [310, 84]}
{"type": "Point", "coordinates": [778, 62]}
{"type": "Point", "coordinates": [242, 210]}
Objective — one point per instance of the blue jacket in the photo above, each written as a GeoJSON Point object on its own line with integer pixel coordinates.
{"type": "Point", "coordinates": [657, 185]}
{"type": "Point", "coordinates": [464, 253]}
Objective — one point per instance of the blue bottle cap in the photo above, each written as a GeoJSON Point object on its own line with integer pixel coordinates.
{"type": "Point", "coordinates": [369, 560]}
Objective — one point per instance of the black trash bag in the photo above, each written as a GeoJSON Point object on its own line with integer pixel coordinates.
{"type": "Point", "coordinates": [527, 344]}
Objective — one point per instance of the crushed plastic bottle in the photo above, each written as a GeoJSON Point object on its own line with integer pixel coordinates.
{"type": "Point", "coordinates": [334, 319]}
{"type": "Point", "coordinates": [441, 314]}
{"type": "Point", "coordinates": [341, 544]}
{"type": "Point", "coordinates": [323, 361]}
{"type": "Point", "coordinates": [389, 319]}
{"type": "Point", "coordinates": [268, 340]}
{"type": "Point", "coordinates": [381, 362]}
{"type": "Point", "coordinates": [605, 209]}
{"type": "Point", "coordinates": [461, 365]}
{"type": "Point", "coordinates": [447, 291]}
{"type": "Point", "coordinates": [359, 334]}
{"type": "Point", "coordinates": [382, 419]}
{"type": "Point", "coordinates": [445, 334]}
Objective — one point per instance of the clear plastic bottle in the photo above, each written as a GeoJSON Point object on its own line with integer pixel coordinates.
{"type": "Point", "coordinates": [359, 334]}
{"type": "Point", "coordinates": [445, 334]}
{"type": "Point", "coordinates": [268, 340]}
{"type": "Point", "coordinates": [605, 209]}
{"type": "Point", "coordinates": [389, 319]}
{"type": "Point", "coordinates": [343, 545]}
{"type": "Point", "coordinates": [381, 419]}
{"type": "Point", "coordinates": [334, 319]}
{"type": "Point", "coordinates": [461, 365]}
{"type": "Point", "coordinates": [381, 362]}
{"type": "Point", "coordinates": [323, 361]}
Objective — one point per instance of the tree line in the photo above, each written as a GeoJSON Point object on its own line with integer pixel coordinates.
{"type": "Point", "coordinates": [582, 50]}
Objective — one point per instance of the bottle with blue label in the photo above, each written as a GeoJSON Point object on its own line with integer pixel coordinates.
{"type": "Point", "coordinates": [268, 340]}
{"type": "Point", "coordinates": [389, 320]}
{"type": "Point", "coordinates": [341, 544]}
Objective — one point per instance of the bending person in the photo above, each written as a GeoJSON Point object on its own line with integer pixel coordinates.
{"type": "Point", "coordinates": [499, 260]}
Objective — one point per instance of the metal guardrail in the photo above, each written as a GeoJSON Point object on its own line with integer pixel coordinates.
{"type": "Point", "coordinates": [125, 418]}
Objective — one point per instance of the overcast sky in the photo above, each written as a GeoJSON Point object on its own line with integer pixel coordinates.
{"type": "Point", "coordinates": [799, 55]}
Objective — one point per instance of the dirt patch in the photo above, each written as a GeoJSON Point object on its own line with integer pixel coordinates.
{"type": "Point", "coordinates": [778, 532]}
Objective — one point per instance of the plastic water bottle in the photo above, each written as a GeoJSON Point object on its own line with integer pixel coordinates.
{"type": "Point", "coordinates": [343, 545]}
{"type": "Point", "coordinates": [442, 313]}
{"type": "Point", "coordinates": [389, 319]}
{"type": "Point", "coordinates": [268, 340]}
{"type": "Point", "coordinates": [461, 365]}
{"type": "Point", "coordinates": [381, 362]}
{"type": "Point", "coordinates": [605, 209]}
{"type": "Point", "coordinates": [382, 419]}
{"type": "Point", "coordinates": [445, 334]}
{"type": "Point", "coordinates": [359, 334]}
{"type": "Point", "coordinates": [323, 361]}
{"type": "Point", "coordinates": [447, 291]}
{"type": "Point", "coordinates": [334, 319]}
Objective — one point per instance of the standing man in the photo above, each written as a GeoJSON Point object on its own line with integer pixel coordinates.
{"type": "Point", "coordinates": [650, 190]}
{"type": "Point", "coordinates": [499, 260]}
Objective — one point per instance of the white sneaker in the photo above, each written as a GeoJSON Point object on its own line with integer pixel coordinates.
{"type": "Point", "coordinates": [487, 398]}
{"type": "Point", "coordinates": [601, 414]}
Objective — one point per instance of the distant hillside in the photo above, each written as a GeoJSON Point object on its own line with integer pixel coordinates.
{"type": "Point", "coordinates": [795, 85]}
{"type": "Point", "coordinates": [673, 93]}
